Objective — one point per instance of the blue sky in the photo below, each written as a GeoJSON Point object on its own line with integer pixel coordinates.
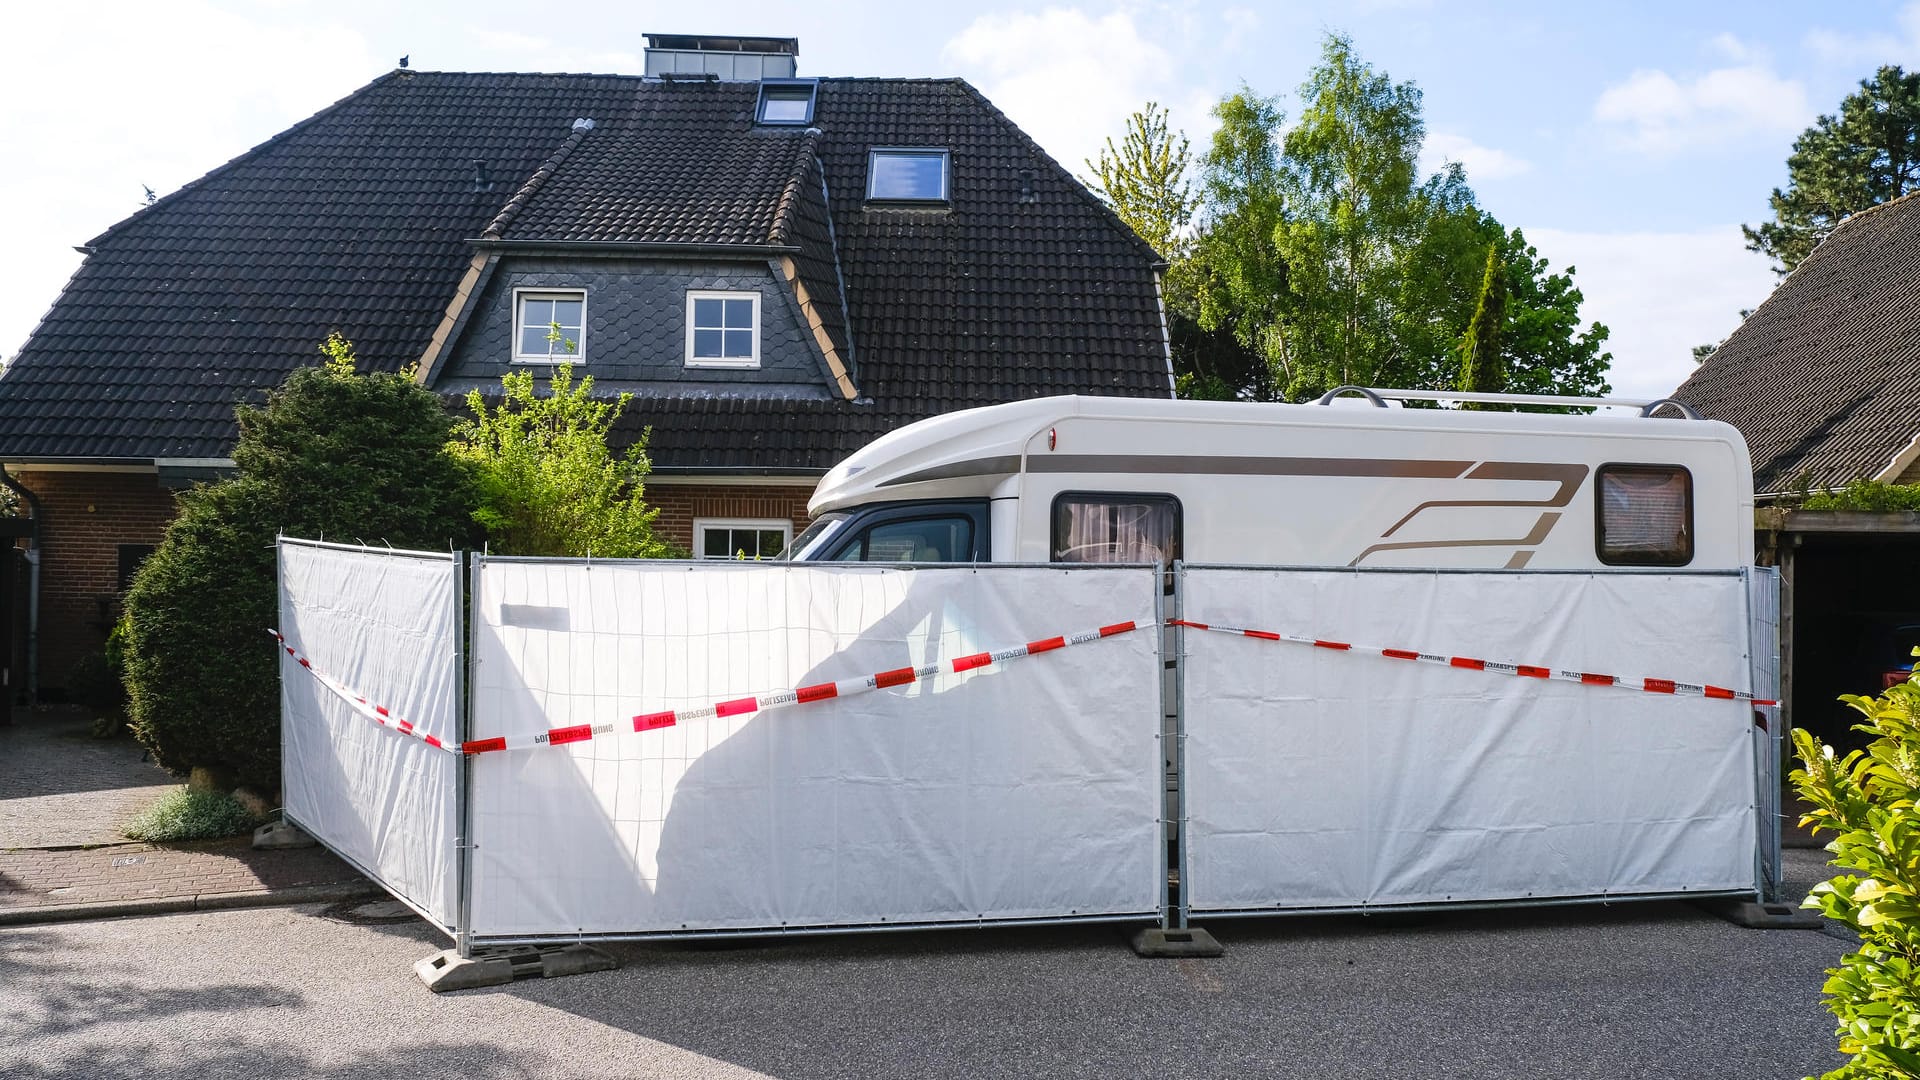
{"type": "Point", "coordinates": [1628, 139]}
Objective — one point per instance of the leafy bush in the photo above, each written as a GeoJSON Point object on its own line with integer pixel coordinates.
{"type": "Point", "coordinates": [1867, 800]}
{"type": "Point", "coordinates": [187, 814]}
{"type": "Point", "coordinates": [549, 484]}
{"type": "Point", "coordinates": [1869, 495]}
{"type": "Point", "coordinates": [332, 454]}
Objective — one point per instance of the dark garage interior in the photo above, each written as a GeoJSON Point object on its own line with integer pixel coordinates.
{"type": "Point", "coordinates": [1853, 616]}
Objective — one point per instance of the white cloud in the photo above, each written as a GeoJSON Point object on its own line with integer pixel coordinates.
{"type": "Point", "coordinates": [1653, 113]}
{"type": "Point", "coordinates": [1871, 48]}
{"type": "Point", "coordinates": [1071, 79]}
{"type": "Point", "coordinates": [1482, 162]}
{"type": "Point", "coordinates": [1660, 294]}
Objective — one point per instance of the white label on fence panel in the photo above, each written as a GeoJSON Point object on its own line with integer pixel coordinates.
{"type": "Point", "coordinates": [1324, 778]}
{"type": "Point", "coordinates": [1030, 790]}
{"type": "Point", "coordinates": [385, 624]}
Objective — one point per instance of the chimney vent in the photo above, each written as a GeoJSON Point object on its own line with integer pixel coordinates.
{"type": "Point", "coordinates": [724, 57]}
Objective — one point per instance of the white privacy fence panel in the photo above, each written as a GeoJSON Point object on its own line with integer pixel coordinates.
{"type": "Point", "coordinates": [1021, 790]}
{"type": "Point", "coordinates": [387, 625]}
{"type": "Point", "coordinates": [1318, 778]}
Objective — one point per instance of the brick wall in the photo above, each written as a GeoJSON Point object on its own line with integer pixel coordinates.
{"type": "Point", "coordinates": [680, 504]}
{"type": "Point", "coordinates": [85, 517]}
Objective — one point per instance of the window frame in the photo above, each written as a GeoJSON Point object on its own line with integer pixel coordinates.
{"type": "Point", "coordinates": [702, 525]}
{"type": "Point", "coordinates": [854, 526]}
{"type": "Point", "coordinates": [784, 89]}
{"type": "Point", "coordinates": [723, 361]}
{"type": "Point", "coordinates": [1684, 557]}
{"type": "Point", "coordinates": [945, 154]}
{"type": "Point", "coordinates": [523, 293]}
{"type": "Point", "coordinates": [1179, 521]}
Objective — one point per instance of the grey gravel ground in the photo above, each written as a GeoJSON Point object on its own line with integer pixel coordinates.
{"type": "Point", "coordinates": [61, 788]}
{"type": "Point", "coordinates": [1655, 990]}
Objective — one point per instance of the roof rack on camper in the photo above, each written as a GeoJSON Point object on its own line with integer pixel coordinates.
{"type": "Point", "coordinates": [1380, 397]}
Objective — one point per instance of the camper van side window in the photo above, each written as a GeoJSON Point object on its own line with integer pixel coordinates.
{"type": "Point", "coordinates": [1103, 527]}
{"type": "Point", "coordinates": [1644, 516]}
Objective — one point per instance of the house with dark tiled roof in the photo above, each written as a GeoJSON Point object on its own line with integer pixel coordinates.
{"type": "Point", "coordinates": [778, 270]}
{"type": "Point", "coordinates": [1823, 379]}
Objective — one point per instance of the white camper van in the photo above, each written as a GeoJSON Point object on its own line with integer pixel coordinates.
{"type": "Point", "coordinates": [1352, 483]}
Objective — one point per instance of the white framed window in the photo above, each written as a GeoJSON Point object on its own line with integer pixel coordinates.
{"type": "Point", "coordinates": [717, 538]}
{"type": "Point", "coordinates": [723, 329]}
{"type": "Point", "coordinates": [907, 174]}
{"type": "Point", "coordinates": [549, 326]}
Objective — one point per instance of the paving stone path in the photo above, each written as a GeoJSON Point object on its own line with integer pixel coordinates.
{"type": "Point", "coordinates": [64, 798]}
{"type": "Point", "coordinates": [59, 787]}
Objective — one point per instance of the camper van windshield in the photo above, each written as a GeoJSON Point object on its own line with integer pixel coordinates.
{"type": "Point", "coordinates": [814, 533]}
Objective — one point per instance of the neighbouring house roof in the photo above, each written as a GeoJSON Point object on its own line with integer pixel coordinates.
{"type": "Point", "coordinates": [366, 218]}
{"type": "Point", "coordinates": [1823, 378]}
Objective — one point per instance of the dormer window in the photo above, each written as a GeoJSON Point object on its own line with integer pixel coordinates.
{"type": "Point", "coordinates": [914, 175]}
{"type": "Point", "coordinates": [786, 101]}
{"type": "Point", "coordinates": [723, 329]}
{"type": "Point", "coordinates": [550, 326]}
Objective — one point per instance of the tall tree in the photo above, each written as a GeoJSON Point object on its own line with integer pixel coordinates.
{"type": "Point", "coordinates": [1482, 366]}
{"type": "Point", "coordinates": [1546, 348]}
{"type": "Point", "coordinates": [1241, 282]}
{"type": "Point", "coordinates": [1862, 156]}
{"type": "Point", "coordinates": [1145, 180]}
{"type": "Point", "coordinates": [1349, 174]}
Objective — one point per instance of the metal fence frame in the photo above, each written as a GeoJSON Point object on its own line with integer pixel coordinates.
{"type": "Point", "coordinates": [1171, 648]}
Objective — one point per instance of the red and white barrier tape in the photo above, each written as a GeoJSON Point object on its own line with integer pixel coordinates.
{"type": "Point", "coordinates": [379, 714]}
{"type": "Point", "coordinates": [1501, 667]}
{"type": "Point", "coordinates": [803, 695]}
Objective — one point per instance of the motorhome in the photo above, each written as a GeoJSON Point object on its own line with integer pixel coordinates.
{"type": "Point", "coordinates": [1342, 482]}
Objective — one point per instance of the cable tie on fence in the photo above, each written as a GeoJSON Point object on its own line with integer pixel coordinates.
{"type": "Point", "coordinates": [1646, 684]}
{"type": "Point", "coordinates": [802, 695]}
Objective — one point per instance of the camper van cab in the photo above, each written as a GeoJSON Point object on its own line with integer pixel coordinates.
{"type": "Point", "coordinates": [1132, 480]}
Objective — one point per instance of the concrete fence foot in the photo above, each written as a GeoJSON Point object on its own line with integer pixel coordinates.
{"type": "Point", "coordinates": [275, 835]}
{"type": "Point", "coordinates": [1187, 941]}
{"type": "Point", "coordinates": [1764, 916]}
{"type": "Point", "coordinates": [444, 971]}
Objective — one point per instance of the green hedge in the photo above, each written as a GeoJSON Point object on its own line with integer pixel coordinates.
{"type": "Point", "coordinates": [333, 453]}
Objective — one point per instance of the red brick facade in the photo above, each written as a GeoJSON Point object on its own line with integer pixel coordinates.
{"type": "Point", "coordinates": [681, 504]}
{"type": "Point", "coordinates": [84, 518]}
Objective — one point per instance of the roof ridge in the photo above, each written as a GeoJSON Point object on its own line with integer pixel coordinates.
{"type": "Point", "coordinates": [789, 204]}
{"type": "Point", "coordinates": [1075, 185]}
{"type": "Point", "coordinates": [234, 162]}
{"type": "Point", "coordinates": [502, 220]}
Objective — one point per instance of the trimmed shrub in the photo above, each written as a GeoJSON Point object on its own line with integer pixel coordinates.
{"type": "Point", "coordinates": [186, 814]}
{"type": "Point", "coordinates": [1866, 799]}
{"type": "Point", "coordinates": [334, 454]}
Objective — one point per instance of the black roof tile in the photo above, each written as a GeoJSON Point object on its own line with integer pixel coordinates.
{"type": "Point", "coordinates": [362, 218]}
{"type": "Point", "coordinates": [1823, 378]}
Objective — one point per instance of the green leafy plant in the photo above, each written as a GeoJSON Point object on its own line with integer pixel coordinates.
{"type": "Point", "coordinates": [186, 814]}
{"type": "Point", "coordinates": [1866, 799]}
{"type": "Point", "coordinates": [549, 482]}
{"type": "Point", "coordinates": [332, 454]}
{"type": "Point", "coordinates": [1868, 495]}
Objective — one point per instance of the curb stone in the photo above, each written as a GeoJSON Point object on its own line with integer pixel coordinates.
{"type": "Point", "coordinates": [166, 905]}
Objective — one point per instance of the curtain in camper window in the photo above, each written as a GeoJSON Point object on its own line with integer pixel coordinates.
{"type": "Point", "coordinates": [1646, 515]}
{"type": "Point", "coordinates": [1107, 528]}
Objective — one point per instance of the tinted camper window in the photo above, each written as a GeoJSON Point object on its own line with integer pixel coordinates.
{"type": "Point", "coordinates": [1645, 515]}
{"type": "Point", "coordinates": [915, 540]}
{"type": "Point", "coordinates": [1099, 527]}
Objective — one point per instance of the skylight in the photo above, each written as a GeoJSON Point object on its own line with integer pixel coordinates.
{"type": "Point", "coordinates": [786, 101]}
{"type": "Point", "coordinates": [907, 174]}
